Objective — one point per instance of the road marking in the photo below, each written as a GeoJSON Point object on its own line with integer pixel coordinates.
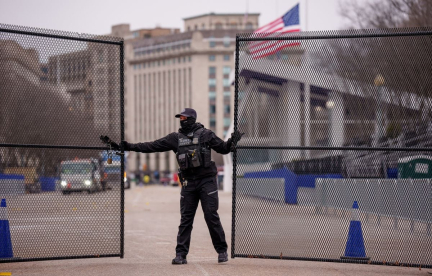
{"type": "Point", "coordinates": [139, 257]}
{"type": "Point", "coordinates": [163, 243]}
{"type": "Point", "coordinates": [202, 269]}
{"type": "Point", "coordinates": [137, 198]}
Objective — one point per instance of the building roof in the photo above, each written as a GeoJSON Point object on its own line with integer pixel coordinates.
{"type": "Point", "coordinates": [162, 39]}
{"type": "Point", "coordinates": [220, 14]}
{"type": "Point", "coordinates": [185, 36]}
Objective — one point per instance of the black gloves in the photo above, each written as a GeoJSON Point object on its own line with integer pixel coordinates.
{"type": "Point", "coordinates": [112, 144]}
{"type": "Point", "coordinates": [235, 137]}
{"type": "Point", "coordinates": [123, 145]}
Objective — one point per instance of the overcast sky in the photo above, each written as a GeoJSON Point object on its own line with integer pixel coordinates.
{"type": "Point", "coordinates": [97, 16]}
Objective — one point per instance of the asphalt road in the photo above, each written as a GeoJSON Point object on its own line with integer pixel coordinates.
{"type": "Point", "coordinates": [151, 220]}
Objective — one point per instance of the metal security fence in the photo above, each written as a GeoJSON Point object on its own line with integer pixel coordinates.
{"type": "Point", "coordinates": [59, 92]}
{"type": "Point", "coordinates": [336, 161]}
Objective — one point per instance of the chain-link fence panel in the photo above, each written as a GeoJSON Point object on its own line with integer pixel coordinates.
{"type": "Point", "coordinates": [336, 160]}
{"type": "Point", "coordinates": [60, 197]}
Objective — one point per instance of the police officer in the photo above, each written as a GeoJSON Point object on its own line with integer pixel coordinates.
{"type": "Point", "coordinates": [192, 145]}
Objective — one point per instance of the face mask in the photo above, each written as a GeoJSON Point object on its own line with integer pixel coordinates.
{"type": "Point", "coordinates": [188, 123]}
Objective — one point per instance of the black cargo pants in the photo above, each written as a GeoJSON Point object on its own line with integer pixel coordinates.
{"type": "Point", "coordinates": [206, 190]}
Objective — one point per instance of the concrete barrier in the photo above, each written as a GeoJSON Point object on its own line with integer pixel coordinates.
{"type": "Point", "coordinates": [403, 198]}
{"type": "Point", "coordinates": [11, 184]}
{"type": "Point", "coordinates": [265, 188]}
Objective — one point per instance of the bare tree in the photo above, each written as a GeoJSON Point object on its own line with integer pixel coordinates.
{"type": "Point", "coordinates": [38, 114]}
{"type": "Point", "coordinates": [378, 14]}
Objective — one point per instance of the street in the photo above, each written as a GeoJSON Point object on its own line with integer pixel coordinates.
{"type": "Point", "coordinates": [151, 220]}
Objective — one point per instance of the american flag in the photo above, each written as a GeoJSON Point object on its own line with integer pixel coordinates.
{"type": "Point", "coordinates": [289, 23]}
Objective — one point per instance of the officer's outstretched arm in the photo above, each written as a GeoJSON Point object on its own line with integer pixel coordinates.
{"type": "Point", "coordinates": [166, 143]}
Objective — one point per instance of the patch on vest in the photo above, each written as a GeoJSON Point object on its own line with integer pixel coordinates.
{"type": "Point", "coordinates": [195, 141]}
{"type": "Point", "coordinates": [184, 142]}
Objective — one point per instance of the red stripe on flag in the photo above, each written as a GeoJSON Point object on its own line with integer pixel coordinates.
{"type": "Point", "coordinates": [256, 44]}
{"type": "Point", "coordinates": [264, 48]}
{"type": "Point", "coordinates": [265, 26]}
{"type": "Point", "coordinates": [277, 49]}
{"type": "Point", "coordinates": [270, 28]}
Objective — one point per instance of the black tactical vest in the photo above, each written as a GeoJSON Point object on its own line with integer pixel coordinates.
{"type": "Point", "coordinates": [192, 151]}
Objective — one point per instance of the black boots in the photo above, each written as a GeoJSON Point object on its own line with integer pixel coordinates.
{"type": "Point", "coordinates": [179, 259]}
{"type": "Point", "coordinates": [223, 257]}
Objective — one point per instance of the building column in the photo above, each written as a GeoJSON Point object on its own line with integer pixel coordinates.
{"type": "Point", "coordinates": [335, 106]}
{"type": "Point", "coordinates": [275, 156]}
{"type": "Point", "coordinates": [307, 118]}
{"type": "Point", "coordinates": [288, 110]}
{"type": "Point", "coordinates": [162, 162]}
{"type": "Point", "coordinates": [131, 162]}
{"type": "Point", "coordinates": [152, 165]}
{"type": "Point", "coordinates": [250, 112]}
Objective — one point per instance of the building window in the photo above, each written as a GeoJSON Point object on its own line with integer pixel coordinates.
{"type": "Point", "coordinates": [196, 27]}
{"type": "Point", "coordinates": [226, 57]}
{"type": "Point", "coordinates": [227, 41]}
{"type": "Point", "coordinates": [212, 58]}
{"type": "Point", "coordinates": [212, 95]}
{"type": "Point", "coordinates": [212, 82]}
{"type": "Point", "coordinates": [203, 26]}
{"type": "Point", "coordinates": [212, 70]}
{"type": "Point", "coordinates": [227, 94]}
{"type": "Point", "coordinates": [212, 42]}
{"type": "Point", "coordinates": [212, 109]}
{"type": "Point", "coordinates": [218, 26]}
{"type": "Point", "coordinates": [226, 83]}
{"type": "Point", "coordinates": [226, 70]}
{"type": "Point", "coordinates": [227, 122]}
{"type": "Point", "coordinates": [227, 109]}
{"type": "Point", "coordinates": [179, 60]}
{"type": "Point", "coordinates": [212, 122]}
{"type": "Point", "coordinates": [249, 26]}
{"type": "Point", "coordinates": [190, 58]}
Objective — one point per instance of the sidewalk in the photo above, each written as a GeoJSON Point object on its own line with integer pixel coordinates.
{"type": "Point", "coordinates": [151, 221]}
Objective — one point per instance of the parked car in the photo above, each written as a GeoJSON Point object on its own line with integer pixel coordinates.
{"type": "Point", "coordinates": [174, 180]}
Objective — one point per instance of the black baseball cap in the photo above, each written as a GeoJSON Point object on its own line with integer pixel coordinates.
{"type": "Point", "coordinates": [187, 112]}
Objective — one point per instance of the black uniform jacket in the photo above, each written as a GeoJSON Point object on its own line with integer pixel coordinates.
{"type": "Point", "coordinates": [170, 142]}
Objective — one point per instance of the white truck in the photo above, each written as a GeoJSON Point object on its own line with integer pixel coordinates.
{"type": "Point", "coordinates": [80, 175]}
{"type": "Point", "coordinates": [112, 174]}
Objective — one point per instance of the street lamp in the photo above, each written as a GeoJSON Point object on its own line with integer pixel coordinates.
{"type": "Point", "coordinates": [330, 104]}
{"type": "Point", "coordinates": [379, 82]}
{"type": "Point", "coordinates": [330, 119]}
